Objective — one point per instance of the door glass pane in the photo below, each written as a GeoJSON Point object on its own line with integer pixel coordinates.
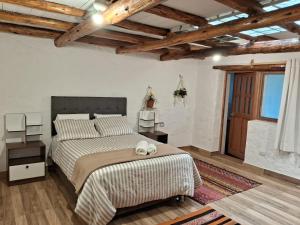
{"type": "Point", "coordinates": [273, 84]}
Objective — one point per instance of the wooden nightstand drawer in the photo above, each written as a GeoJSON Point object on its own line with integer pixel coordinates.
{"type": "Point", "coordinates": [26, 171]}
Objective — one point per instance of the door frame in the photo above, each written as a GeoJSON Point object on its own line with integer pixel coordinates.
{"type": "Point", "coordinates": [224, 112]}
{"type": "Point", "coordinates": [225, 99]}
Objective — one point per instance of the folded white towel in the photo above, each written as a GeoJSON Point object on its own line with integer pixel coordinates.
{"type": "Point", "coordinates": [151, 149]}
{"type": "Point", "coordinates": [141, 148]}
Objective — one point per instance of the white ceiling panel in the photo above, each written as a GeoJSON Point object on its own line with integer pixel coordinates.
{"type": "Point", "coordinates": [81, 4]}
{"type": "Point", "coordinates": [150, 19]}
{"type": "Point", "coordinates": [204, 8]}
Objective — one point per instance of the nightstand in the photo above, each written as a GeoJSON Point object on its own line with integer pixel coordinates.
{"type": "Point", "coordinates": [26, 162]}
{"type": "Point", "coordinates": [157, 136]}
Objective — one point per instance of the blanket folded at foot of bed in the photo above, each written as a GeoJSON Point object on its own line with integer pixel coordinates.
{"type": "Point", "coordinates": [87, 164]}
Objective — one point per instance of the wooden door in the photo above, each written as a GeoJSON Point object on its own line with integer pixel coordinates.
{"type": "Point", "coordinates": [242, 112]}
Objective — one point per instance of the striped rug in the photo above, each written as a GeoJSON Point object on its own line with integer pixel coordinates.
{"type": "Point", "coordinates": [219, 183]}
{"type": "Point", "coordinates": [204, 216]}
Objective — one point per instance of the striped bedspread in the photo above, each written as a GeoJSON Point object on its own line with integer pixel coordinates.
{"type": "Point", "coordinates": [126, 184]}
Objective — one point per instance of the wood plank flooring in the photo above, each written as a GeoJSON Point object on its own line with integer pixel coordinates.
{"type": "Point", "coordinates": [275, 202]}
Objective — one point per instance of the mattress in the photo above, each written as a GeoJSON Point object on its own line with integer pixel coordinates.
{"type": "Point", "coordinates": [127, 184]}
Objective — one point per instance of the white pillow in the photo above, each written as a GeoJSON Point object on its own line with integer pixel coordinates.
{"type": "Point", "coordinates": [113, 126]}
{"type": "Point", "coordinates": [85, 116]}
{"type": "Point", "coordinates": [106, 115]}
{"type": "Point", "coordinates": [75, 129]}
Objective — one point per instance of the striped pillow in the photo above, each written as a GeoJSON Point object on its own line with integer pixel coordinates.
{"type": "Point", "coordinates": [113, 126]}
{"type": "Point", "coordinates": [75, 129]}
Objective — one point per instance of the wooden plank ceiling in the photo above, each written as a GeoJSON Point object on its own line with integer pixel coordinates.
{"type": "Point", "coordinates": [120, 26]}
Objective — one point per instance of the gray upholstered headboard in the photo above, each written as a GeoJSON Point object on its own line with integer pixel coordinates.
{"type": "Point", "coordinates": [91, 105]}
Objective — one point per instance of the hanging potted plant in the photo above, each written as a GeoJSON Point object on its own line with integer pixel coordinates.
{"type": "Point", "coordinates": [180, 93]}
{"type": "Point", "coordinates": [150, 99]}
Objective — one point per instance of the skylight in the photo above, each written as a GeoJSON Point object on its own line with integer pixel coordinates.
{"type": "Point", "coordinates": [228, 18]}
{"type": "Point", "coordinates": [281, 5]}
{"type": "Point", "coordinates": [263, 31]}
{"type": "Point", "coordinates": [260, 31]}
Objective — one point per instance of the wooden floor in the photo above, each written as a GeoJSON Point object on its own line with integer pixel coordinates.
{"type": "Point", "coordinates": [42, 203]}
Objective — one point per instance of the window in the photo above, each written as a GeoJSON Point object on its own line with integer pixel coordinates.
{"type": "Point", "coordinates": [271, 95]}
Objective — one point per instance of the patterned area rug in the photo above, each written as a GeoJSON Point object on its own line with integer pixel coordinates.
{"type": "Point", "coordinates": [204, 216]}
{"type": "Point", "coordinates": [219, 183]}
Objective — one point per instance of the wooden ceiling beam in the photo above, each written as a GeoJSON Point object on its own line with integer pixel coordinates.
{"type": "Point", "coordinates": [58, 25]}
{"type": "Point", "coordinates": [255, 67]}
{"type": "Point", "coordinates": [35, 21]}
{"type": "Point", "coordinates": [253, 7]}
{"type": "Point", "coordinates": [116, 35]}
{"type": "Point", "coordinates": [178, 15]}
{"type": "Point", "coordinates": [48, 6]}
{"type": "Point", "coordinates": [250, 7]}
{"type": "Point", "coordinates": [139, 27]}
{"type": "Point", "coordinates": [71, 11]}
{"type": "Point", "coordinates": [51, 34]}
{"type": "Point", "coordinates": [28, 31]}
{"type": "Point", "coordinates": [264, 47]}
{"type": "Point", "coordinates": [257, 21]}
{"type": "Point", "coordinates": [115, 13]}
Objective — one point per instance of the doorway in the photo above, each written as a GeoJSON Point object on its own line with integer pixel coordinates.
{"type": "Point", "coordinates": [248, 95]}
{"type": "Point", "coordinates": [240, 110]}
{"type": "Point", "coordinates": [241, 113]}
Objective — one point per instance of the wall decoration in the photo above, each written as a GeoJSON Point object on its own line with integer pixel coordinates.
{"type": "Point", "coordinates": [180, 93]}
{"type": "Point", "coordinates": [150, 99]}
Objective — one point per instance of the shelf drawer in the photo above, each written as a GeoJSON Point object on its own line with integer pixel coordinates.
{"type": "Point", "coordinates": [26, 171]}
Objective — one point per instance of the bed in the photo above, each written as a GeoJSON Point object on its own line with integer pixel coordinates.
{"type": "Point", "coordinates": [108, 190]}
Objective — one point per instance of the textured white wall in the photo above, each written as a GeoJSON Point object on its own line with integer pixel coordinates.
{"type": "Point", "coordinates": [209, 96]}
{"type": "Point", "coordinates": [260, 150]}
{"type": "Point", "coordinates": [32, 70]}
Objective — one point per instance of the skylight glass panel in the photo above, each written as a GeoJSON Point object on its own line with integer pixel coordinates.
{"type": "Point", "coordinates": [216, 22]}
{"type": "Point", "coordinates": [230, 18]}
{"type": "Point", "coordinates": [288, 3]}
{"type": "Point", "coordinates": [278, 28]}
{"type": "Point", "coordinates": [266, 30]}
{"type": "Point", "coordinates": [270, 8]}
{"type": "Point", "coordinates": [251, 33]}
{"type": "Point", "coordinates": [242, 15]}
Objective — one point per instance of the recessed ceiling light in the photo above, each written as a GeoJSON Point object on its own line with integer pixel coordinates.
{"type": "Point", "coordinates": [97, 18]}
{"type": "Point", "coordinates": [217, 57]}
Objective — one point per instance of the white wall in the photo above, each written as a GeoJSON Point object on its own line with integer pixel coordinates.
{"type": "Point", "coordinates": [32, 70]}
{"type": "Point", "coordinates": [209, 105]}
{"type": "Point", "coordinates": [260, 150]}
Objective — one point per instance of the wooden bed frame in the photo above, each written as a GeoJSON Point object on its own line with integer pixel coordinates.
{"type": "Point", "coordinates": [91, 105]}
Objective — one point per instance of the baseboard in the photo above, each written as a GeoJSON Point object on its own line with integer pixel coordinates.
{"type": "Point", "coordinates": [282, 177]}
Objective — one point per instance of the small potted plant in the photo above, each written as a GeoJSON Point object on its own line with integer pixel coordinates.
{"type": "Point", "coordinates": [150, 100]}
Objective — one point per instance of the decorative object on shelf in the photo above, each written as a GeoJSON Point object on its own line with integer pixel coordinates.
{"type": "Point", "coordinates": [149, 120]}
{"type": "Point", "coordinates": [23, 127]}
{"type": "Point", "coordinates": [150, 98]}
{"type": "Point", "coordinates": [180, 93]}
{"type": "Point", "coordinates": [146, 121]}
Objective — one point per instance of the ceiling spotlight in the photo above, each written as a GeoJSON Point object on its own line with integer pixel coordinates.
{"type": "Point", "coordinates": [217, 57]}
{"type": "Point", "coordinates": [99, 7]}
{"type": "Point", "coordinates": [97, 18]}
